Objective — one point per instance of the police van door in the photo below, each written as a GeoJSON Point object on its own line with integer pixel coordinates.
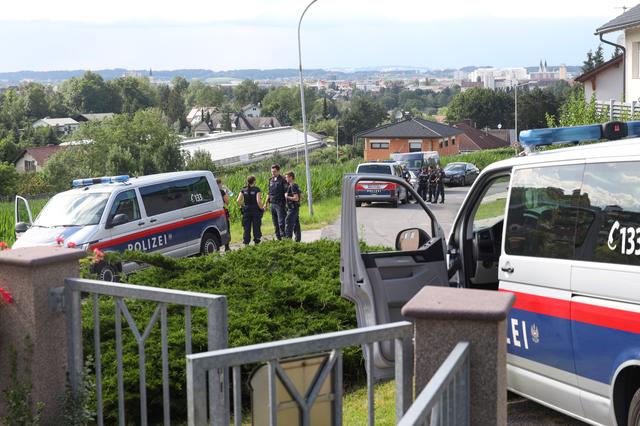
{"type": "Point", "coordinates": [125, 224]}
{"type": "Point", "coordinates": [535, 265]}
{"type": "Point", "coordinates": [379, 282]}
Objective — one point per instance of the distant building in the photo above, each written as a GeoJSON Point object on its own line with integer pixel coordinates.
{"type": "Point", "coordinates": [252, 110]}
{"type": "Point", "coordinates": [409, 135]}
{"type": "Point", "coordinates": [238, 123]}
{"type": "Point", "coordinates": [473, 139]}
{"type": "Point", "coordinates": [62, 126]}
{"type": "Point", "coordinates": [544, 73]}
{"type": "Point", "coordinates": [34, 159]}
{"type": "Point", "coordinates": [252, 146]}
{"type": "Point", "coordinates": [82, 118]}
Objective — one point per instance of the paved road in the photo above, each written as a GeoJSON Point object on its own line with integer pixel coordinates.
{"type": "Point", "coordinates": [378, 224]}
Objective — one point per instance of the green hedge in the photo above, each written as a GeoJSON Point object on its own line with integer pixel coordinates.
{"type": "Point", "coordinates": [275, 290]}
{"type": "Point", "coordinates": [480, 158]}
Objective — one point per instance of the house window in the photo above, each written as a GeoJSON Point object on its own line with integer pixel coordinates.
{"type": "Point", "coordinates": [446, 142]}
{"type": "Point", "coordinates": [415, 146]}
{"type": "Point", "coordinates": [636, 59]}
{"type": "Point", "coordinates": [440, 144]}
{"type": "Point", "coordinates": [29, 166]}
{"type": "Point", "coordinates": [453, 141]}
{"type": "Point", "coordinates": [379, 144]}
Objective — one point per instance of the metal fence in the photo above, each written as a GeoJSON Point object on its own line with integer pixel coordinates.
{"type": "Point", "coordinates": [446, 397]}
{"type": "Point", "coordinates": [618, 110]}
{"type": "Point", "coordinates": [275, 352]}
{"type": "Point", "coordinates": [216, 333]}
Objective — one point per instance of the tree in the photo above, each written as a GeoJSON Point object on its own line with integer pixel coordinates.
{"type": "Point", "coordinates": [138, 144]}
{"type": "Point", "coordinates": [89, 94]}
{"type": "Point", "coordinates": [589, 63]}
{"type": "Point", "coordinates": [617, 52]}
{"type": "Point", "coordinates": [199, 94]}
{"type": "Point", "coordinates": [483, 106]}
{"type": "Point", "coordinates": [284, 104]}
{"type": "Point", "coordinates": [248, 92]}
{"type": "Point", "coordinates": [598, 57]}
{"type": "Point", "coordinates": [8, 179]}
{"type": "Point", "coordinates": [534, 106]}
{"type": "Point", "coordinates": [364, 114]}
{"type": "Point", "coordinates": [200, 160]}
{"type": "Point", "coordinates": [136, 94]}
{"type": "Point", "coordinates": [36, 102]}
{"type": "Point", "coordinates": [576, 112]}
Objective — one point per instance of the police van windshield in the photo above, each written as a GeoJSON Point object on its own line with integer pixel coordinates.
{"type": "Point", "coordinates": [375, 168]}
{"type": "Point", "coordinates": [73, 209]}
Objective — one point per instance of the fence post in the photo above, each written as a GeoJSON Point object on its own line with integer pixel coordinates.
{"type": "Point", "coordinates": [29, 274]}
{"type": "Point", "coordinates": [633, 110]}
{"type": "Point", "coordinates": [612, 103]}
{"type": "Point", "coordinates": [445, 316]}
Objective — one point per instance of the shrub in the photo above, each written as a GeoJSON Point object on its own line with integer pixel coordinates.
{"type": "Point", "coordinates": [274, 291]}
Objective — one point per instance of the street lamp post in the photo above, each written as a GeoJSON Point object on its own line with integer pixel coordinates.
{"type": "Point", "coordinates": [516, 109]}
{"type": "Point", "coordinates": [304, 115]}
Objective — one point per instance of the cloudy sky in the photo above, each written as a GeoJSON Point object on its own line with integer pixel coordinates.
{"type": "Point", "coordinates": [223, 35]}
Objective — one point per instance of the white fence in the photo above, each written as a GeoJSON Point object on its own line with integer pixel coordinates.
{"type": "Point", "coordinates": [619, 110]}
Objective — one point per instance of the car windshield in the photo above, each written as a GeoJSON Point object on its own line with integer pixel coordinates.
{"type": "Point", "coordinates": [73, 209]}
{"type": "Point", "coordinates": [374, 168]}
{"type": "Point", "coordinates": [455, 168]}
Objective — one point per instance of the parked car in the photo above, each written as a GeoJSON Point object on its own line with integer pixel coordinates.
{"type": "Point", "coordinates": [371, 191]}
{"type": "Point", "coordinates": [460, 174]}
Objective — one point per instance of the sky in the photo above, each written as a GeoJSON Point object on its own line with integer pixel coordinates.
{"type": "Point", "coordinates": [225, 35]}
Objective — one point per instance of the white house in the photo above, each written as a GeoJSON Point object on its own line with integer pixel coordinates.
{"type": "Point", "coordinates": [605, 81]}
{"type": "Point", "coordinates": [629, 24]}
{"type": "Point", "coordinates": [33, 159]}
{"type": "Point", "coordinates": [62, 126]}
{"type": "Point", "coordinates": [252, 110]}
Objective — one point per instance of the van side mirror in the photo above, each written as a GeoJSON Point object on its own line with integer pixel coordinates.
{"type": "Point", "coordinates": [411, 239]}
{"type": "Point", "coordinates": [21, 228]}
{"type": "Point", "coordinates": [118, 219]}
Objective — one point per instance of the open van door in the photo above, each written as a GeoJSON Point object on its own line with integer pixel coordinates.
{"type": "Point", "coordinates": [379, 283]}
{"type": "Point", "coordinates": [22, 215]}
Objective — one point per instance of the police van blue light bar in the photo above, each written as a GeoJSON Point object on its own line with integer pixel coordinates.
{"type": "Point", "coordinates": [612, 130]}
{"type": "Point", "coordinates": [93, 181]}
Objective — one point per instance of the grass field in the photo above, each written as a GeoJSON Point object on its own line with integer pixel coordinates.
{"type": "Point", "coordinates": [7, 219]}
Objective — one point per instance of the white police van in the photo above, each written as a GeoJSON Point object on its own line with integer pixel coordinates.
{"type": "Point", "coordinates": [177, 214]}
{"type": "Point", "coordinates": [560, 229]}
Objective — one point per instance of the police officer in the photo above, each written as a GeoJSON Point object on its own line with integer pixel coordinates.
{"type": "Point", "coordinates": [433, 182]}
{"type": "Point", "coordinates": [250, 198]}
{"type": "Point", "coordinates": [423, 182]}
{"type": "Point", "coordinates": [225, 200]}
{"type": "Point", "coordinates": [277, 189]}
{"type": "Point", "coordinates": [293, 205]}
{"type": "Point", "coordinates": [439, 176]}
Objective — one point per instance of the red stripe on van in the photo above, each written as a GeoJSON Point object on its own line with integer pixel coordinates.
{"type": "Point", "coordinates": [601, 316]}
{"type": "Point", "coordinates": [157, 229]}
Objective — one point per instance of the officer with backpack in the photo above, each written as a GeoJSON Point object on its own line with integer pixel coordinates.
{"type": "Point", "coordinates": [250, 198]}
{"type": "Point", "coordinates": [277, 189]}
{"type": "Point", "coordinates": [423, 182]}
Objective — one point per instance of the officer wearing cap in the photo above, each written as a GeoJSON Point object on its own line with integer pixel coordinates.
{"type": "Point", "coordinates": [277, 189]}
{"type": "Point", "coordinates": [250, 198]}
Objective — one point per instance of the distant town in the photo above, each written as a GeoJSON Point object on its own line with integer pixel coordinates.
{"type": "Point", "coordinates": [339, 80]}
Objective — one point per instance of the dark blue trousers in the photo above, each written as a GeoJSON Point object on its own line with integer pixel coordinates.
{"type": "Point", "coordinates": [252, 220]}
{"type": "Point", "coordinates": [292, 222]}
{"type": "Point", "coordinates": [278, 216]}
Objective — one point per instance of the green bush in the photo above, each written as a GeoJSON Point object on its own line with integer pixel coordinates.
{"type": "Point", "coordinates": [274, 291]}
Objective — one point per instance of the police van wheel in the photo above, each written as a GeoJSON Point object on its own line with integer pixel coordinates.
{"type": "Point", "coordinates": [634, 410]}
{"type": "Point", "coordinates": [107, 272]}
{"type": "Point", "coordinates": [209, 244]}
{"type": "Point", "coordinates": [358, 203]}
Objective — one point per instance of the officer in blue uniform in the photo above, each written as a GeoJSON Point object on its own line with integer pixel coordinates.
{"type": "Point", "coordinates": [277, 189]}
{"type": "Point", "coordinates": [439, 178]}
{"type": "Point", "coordinates": [293, 206]}
{"type": "Point", "coordinates": [423, 182]}
{"type": "Point", "coordinates": [250, 198]}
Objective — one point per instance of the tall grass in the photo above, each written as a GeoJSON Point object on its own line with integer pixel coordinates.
{"type": "Point", "coordinates": [7, 233]}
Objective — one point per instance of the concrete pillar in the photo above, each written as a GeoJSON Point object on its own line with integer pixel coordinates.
{"type": "Point", "coordinates": [445, 316]}
{"type": "Point", "coordinates": [28, 274]}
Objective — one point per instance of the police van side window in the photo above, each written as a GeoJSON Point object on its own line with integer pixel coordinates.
{"type": "Point", "coordinates": [541, 220]}
{"type": "Point", "coordinates": [169, 196]}
{"type": "Point", "coordinates": [125, 203]}
{"type": "Point", "coordinates": [609, 214]}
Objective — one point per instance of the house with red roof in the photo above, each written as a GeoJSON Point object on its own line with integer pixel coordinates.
{"type": "Point", "coordinates": [33, 159]}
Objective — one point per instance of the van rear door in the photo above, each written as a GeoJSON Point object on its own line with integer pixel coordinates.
{"type": "Point", "coordinates": [379, 283]}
